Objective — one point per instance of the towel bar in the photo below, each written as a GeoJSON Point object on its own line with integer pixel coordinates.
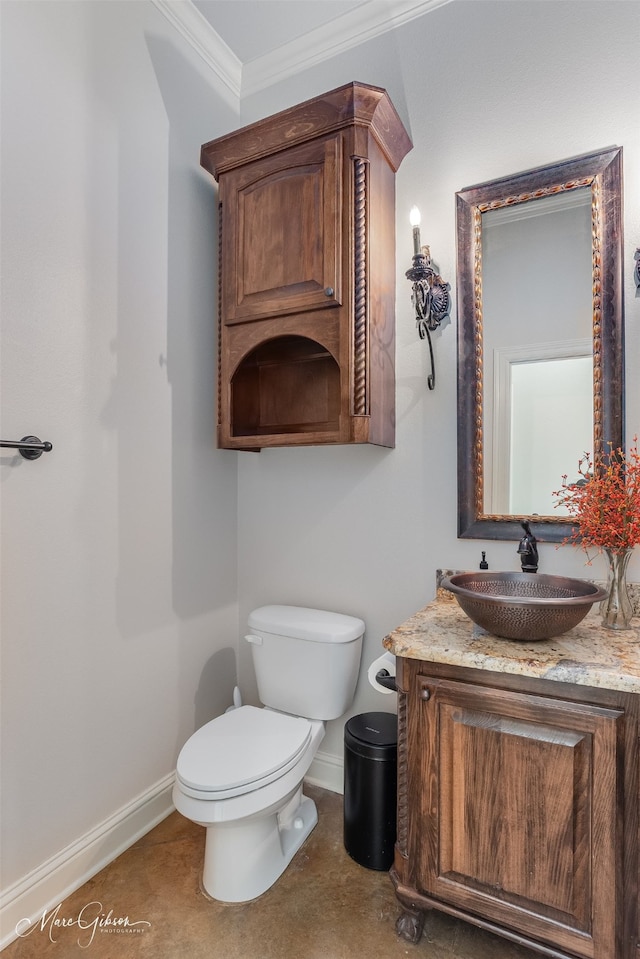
{"type": "Point", "coordinates": [31, 447]}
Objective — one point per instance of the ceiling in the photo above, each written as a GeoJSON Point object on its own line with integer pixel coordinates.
{"type": "Point", "coordinates": [251, 44]}
{"type": "Point", "coordinates": [253, 28]}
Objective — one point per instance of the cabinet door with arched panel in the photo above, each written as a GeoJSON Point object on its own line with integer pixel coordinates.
{"type": "Point", "coordinates": [518, 809]}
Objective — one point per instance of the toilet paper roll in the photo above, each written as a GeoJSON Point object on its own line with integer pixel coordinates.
{"type": "Point", "coordinates": [386, 661]}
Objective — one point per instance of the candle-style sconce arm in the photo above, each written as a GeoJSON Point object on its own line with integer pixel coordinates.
{"type": "Point", "coordinates": [431, 301]}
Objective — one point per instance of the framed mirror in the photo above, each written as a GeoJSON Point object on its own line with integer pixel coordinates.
{"type": "Point", "coordinates": [540, 339]}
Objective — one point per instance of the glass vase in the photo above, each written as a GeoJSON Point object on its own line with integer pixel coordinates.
{"type": "Point", "coordinates": [616, 610]}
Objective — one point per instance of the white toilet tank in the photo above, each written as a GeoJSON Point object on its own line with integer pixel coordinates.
{"type": "Point", "coordinates": [306, 660]}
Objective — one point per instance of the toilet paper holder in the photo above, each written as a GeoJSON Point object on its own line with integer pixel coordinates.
{"type": "Point", "coordinates": [384, 677]}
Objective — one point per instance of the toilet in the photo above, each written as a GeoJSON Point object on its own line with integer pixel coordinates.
{"type": "Point", "coordinates": [241, 774]}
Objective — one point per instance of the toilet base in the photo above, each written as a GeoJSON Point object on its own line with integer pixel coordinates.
{"type": "Point", "coordinates": [243, 859]}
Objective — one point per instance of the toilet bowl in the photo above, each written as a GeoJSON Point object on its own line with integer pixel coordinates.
{"type": "Point", "coordinates": [251, 802]}
{"type": "Point", "coordinates": [240, 776]}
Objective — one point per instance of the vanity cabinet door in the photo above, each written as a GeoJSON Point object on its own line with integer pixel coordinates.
{"type": "Point", "coordinates": [281, 233]}
{"type": "Point", "coordinates": [518, 818]}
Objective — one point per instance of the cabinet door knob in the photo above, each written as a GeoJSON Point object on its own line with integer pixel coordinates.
{"type": "Point", "coordinates": [328, 291]}
{"type": "Point", "coordinates": [425, 693]}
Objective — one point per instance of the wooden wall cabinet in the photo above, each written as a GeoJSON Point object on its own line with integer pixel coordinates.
{"type": "Point", "coordinates": [306, 333]}
{"type": "Point", "coordinates": [518, 809]}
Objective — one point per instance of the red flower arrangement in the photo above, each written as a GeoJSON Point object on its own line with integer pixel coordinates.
{"type": "Point", "coordinates": [605, 501]}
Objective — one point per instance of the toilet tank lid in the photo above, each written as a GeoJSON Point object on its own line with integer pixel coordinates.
{"type": "Point", "coordinates": [315, 625]}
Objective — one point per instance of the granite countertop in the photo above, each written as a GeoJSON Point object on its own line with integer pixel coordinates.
{"type": "Point", "coordinates": [588, 655]}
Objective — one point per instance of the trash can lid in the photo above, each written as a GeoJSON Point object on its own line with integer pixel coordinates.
{"type": "Point", "coordinates": [376, 733]}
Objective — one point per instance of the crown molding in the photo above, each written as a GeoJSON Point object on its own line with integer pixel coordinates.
{"type": "Point", "coordinates": [540, 206]}
{"type": "Point", "coordinates": [185, 17]}
{"type": "Point", "coordinates": [367, 21]}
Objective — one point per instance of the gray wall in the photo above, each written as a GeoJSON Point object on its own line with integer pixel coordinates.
{"type": "Point", "coordinates": [485, 89]}
{"type": "Point", "coordinates": [119, 548]}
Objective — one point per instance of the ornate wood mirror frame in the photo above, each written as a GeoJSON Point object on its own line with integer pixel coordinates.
{"type": "Point", "coordinates": [602, 172]}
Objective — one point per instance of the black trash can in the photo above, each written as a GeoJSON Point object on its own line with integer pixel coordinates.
{"type": "Point", "coordinates": [370, 787]}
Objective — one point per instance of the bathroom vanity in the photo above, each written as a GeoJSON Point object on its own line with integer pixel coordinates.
{"type": "Point", "coordinates": [518, 782]}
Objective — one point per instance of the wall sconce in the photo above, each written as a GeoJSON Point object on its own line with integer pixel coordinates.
{"type": "Point", "coordinates": [430, 294]}
{"type": "Point", "coordinates": [636, 272]}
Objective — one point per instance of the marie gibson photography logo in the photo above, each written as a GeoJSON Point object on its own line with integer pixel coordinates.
{"type": "Point", "coordinates": [91, 919]}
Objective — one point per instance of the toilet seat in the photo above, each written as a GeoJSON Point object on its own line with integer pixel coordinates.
{"type": "Point", "coordinates": [241, 751]}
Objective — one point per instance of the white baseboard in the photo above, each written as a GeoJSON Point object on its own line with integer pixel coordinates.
{"type": "Point", "coordinates": [51, 882]}
{"type": "Point", "coordinates": [327, 771]}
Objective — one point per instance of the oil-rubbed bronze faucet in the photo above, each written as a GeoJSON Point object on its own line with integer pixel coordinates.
{"type": "Point", "coordinates": [528, 550]}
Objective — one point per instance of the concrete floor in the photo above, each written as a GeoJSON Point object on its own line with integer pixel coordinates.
{"type": "Point", "coordinates": [325, 906]}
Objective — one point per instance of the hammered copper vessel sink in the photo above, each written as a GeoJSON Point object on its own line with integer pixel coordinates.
{"type": "Point", "coordinates": [524, 606]}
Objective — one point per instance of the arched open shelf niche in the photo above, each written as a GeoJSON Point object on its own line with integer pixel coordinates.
{"type": "Point", "coordinates": [286, 385]}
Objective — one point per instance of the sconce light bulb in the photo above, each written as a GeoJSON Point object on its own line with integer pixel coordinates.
{"type": "Point", "coordinates": [414, 219]}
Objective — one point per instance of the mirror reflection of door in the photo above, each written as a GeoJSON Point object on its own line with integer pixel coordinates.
{"type": "Point", "coordinates": [537, 330]}
{"type": "Point", "coordinates": [543, 413]}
